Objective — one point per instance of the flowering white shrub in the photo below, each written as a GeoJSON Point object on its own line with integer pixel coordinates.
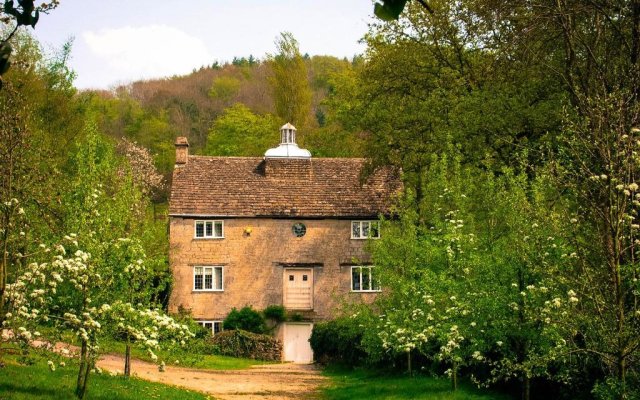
{"type": "Point", "coordinates": [71, 292]}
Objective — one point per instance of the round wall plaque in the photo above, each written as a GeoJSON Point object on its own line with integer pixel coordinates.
{"type": "Point", "coordinates": [299, 229]}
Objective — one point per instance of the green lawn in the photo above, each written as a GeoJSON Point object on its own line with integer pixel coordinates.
{"type": "Point", "coordinates": [36, 381]}
{"type": "Point", "coordinates": [370, 385]}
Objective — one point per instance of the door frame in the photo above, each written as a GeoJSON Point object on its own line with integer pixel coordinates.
{"type": "Point", "coordinates": [284, 284]}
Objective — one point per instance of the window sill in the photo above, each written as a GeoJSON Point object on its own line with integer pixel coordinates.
{"type": "Point", "coordinates": [208, 238]}
{"type": "Point", "coordinates": [206, 290]}
{"type": "Point", "coordinates": [366, 291]}
{"type": "Point", "coordinates": [365, 238]}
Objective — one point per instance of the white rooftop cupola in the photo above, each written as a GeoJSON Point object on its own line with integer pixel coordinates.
{"type": "Point", "coordinates": [288, 147]}
{"type": "Point", "coordinates": [288, 134]}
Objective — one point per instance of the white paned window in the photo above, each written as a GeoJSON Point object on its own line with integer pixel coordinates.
{"type": "Point", "coordinates": [363, 279]}
{"type": "Point", "coordinates": [209, 229]}
{"type": "Point", "coordinates": [365, 229]}
{"type": "Point", "coordinates": [207, 278]}
{"type": "Point", "coordinates": [213, 326]}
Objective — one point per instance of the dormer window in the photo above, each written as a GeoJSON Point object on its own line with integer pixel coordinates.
{"type": "Point", "coordinates": [365, 229]}
{"type": "Point", "coordinates": [209, 229]}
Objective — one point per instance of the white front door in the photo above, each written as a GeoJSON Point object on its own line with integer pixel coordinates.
{"type": "Point", "coordinates": [298, 289]}
{"type": "Point", "coordinates": [296, 342]}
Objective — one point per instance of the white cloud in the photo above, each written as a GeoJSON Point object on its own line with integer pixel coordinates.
{"type": "Point", "coordinates": [152, 51]}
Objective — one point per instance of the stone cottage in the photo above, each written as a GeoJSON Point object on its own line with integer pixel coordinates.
{"type": "Point", "coordinates": [283, 229]}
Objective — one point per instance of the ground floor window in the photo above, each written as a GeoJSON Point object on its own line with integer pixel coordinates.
{"type": "Point", "coordinates": [363, 279]}
{"type": "Point", "coordinates": [214, 326]}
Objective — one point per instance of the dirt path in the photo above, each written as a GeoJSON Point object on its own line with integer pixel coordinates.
{"type": "Point", "coordinates": [272, 381]}
{"type": "Point", "coordinates": [265, 382]}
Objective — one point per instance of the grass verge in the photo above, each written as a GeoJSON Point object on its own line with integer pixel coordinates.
{"type": "Point", "coordinates": [371, 385]}
{"type": "Point", "coordinates": [36, 381]}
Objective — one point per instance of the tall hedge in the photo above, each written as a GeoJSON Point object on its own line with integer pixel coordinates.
{"type": "Point", "coordinates": [239, 343]}
{"type": "Point", "coordinates": [246, 319]}
{"type": "Point", "coordinates": [338, 340]}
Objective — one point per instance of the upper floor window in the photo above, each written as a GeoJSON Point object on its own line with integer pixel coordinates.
{"type": "Point", "coordinates": [363, 279]}
{"type": "Point", "coordinates": [365, 229]}
{"type": "Point", "coordinates": [209, 229]}
{"type": "Point", "coordinates": [207, 279]}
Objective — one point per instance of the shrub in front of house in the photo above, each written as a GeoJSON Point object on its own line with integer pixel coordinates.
{"type": "Point", "coordinates": [240, 343]}
{"type": "Point", "coordinates": [275, 313]}
{"type": "Point", "coordinates": [246, 319]}
{"type": "Point", "coordinates": [338, 341]}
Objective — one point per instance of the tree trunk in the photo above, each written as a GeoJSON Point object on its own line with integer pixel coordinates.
{"type": "Point", "coordinates": [83, 389]}
{"type": "Point", "coordinates": [127, 360]}
{"type": "Point", "coordinates": [622, 376]}
{"type": "Point", "coordinates": [82, 379]}
{"type": "Point", "coordinates": [454, 376]}
{"type": "Point", "coordinates": [526, 388]}
{"type": "Point", "coordinates": [409, 362]}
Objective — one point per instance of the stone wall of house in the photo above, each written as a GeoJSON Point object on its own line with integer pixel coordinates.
{"type": "Point", "coordinates": [254, 264]}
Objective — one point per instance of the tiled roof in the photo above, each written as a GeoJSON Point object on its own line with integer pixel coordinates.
{"type": "Point", "coordinates": [251, 186]}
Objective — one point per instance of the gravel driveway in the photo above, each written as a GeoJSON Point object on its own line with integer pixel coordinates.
{"type": "Point", "coordinates": [271, 381]}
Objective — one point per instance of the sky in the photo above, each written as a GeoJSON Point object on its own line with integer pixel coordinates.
{"type": "Point", "coordinates": [119, 41]}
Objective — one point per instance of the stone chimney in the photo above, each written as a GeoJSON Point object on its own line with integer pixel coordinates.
{"type": "Point", "coordinates": [182, 150]}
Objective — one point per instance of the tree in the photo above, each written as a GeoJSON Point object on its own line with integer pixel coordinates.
{"type": "Point", "coordinates": [224, 88]}
{"type": "Point", "coordinates": [426, 79]}
{"type": "Point", "coordinates": [484, 281]}
{"type": "Point", "coordinates": [35, 102]}
{"type": "Point", "coordinates": [586, 58]}
{"type": "Point", "coordinates": [26, 14]}
{"type": "Point", "coordinates": [601, 171]}
{"type": "Point", "coordinates": [100, 278]}
{"type": "Point", "coordinates": [13, 136]}
{"type": "Point", "coordinates": [289, 82]}
{"type": "Point", "coordinates": [70, 275]}
{"type": "Point", "coordinates": [239, 132]}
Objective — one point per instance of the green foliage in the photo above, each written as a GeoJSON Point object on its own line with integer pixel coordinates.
{"type": "Point", "coordinates": [224, 88]}
{"type": "Point", "coordinates": [276, 313]}
{"type": "Point", "coordinates": [295, 317]}
{"type": "Point", "coordinates": [12, 17]}
{"type": "Point", "coordinates": [240, 343]}
{"type": "Point", "coordinates": [338, 341]}
{"type": "Point", "coordinates": [240, 132]}
{"type": "Point", "coordinates": [289, 82]}
{"type": "Point", "coordinates": [246, 319]}
{"type": "Point", "coordinates": [389, 10]}
{"type": "Point", "coordinates": [477, 282]}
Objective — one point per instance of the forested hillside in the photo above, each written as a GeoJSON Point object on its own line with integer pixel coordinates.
{"type": "Point", "coordinates": [227, 109]}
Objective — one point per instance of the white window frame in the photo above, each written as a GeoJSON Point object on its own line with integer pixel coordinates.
{"type": "Point", "coordinates": [204, 223]}
{"type": "Point", "coordinates": [212, 268]}
{"type": "Point", "coordinates": [213, 325]}
{"type": "Point", "coordinates": [360, 224]}
{"type": "Point", "coordinates": [371, 268]}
